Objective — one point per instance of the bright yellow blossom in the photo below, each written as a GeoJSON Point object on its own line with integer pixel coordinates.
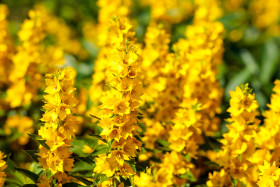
{"type": "Point", "coordinates": [219, 179]}
{"type": "Point", "coordinates": [60, 124]}
{"type": "Point", "coordinates": [269, 175]}
{"type": "Point", "coordinates": [119, 107]}
{"type": "Point", "coordinates": [2, 168]}
{"type": "Point", "coordinates": [238, 155]}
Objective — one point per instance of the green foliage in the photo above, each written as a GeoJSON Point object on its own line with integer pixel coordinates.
{"type": "Point", "coordinates": [34, 177]}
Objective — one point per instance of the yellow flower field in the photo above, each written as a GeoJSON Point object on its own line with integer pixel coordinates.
{"type": "Point", "coordinates": [140, 93]}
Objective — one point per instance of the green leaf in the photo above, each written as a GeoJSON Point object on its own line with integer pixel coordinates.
{"type": "Point", "coordinates": [95, 117]}
{"type": "Point", "coordinates": [83, 180]}
{"type": "Point", "coordinates": [132, 164]}
{"type": "Point", "coordinates": [12, 182]}
{"type": "Point", "coordinates": [43, 143]}
{"type": "Point", "coordinates": [83, 167]}
{"type": "Point", "coordinates": [100, 149]}
{"type": "Point", "coordinates": [79, 143]}
{"type": "Point", "coordinates": [32, 154]}
{"type": "Point", "coordinates": [239, 157]}
{"type": "Point", "coordinates": [99, 137]}
{"type": "Point", "coordinates": [17, 177]}
{"type": "Point", "coordinates": [95, 135]}
{"type": "Point", "coordinates": [142, 166]}
{"type": "Point", "coordinates": [90, 47]}
{"type": "Point", "coordinates": [99, 178]}
{"type": "Point", "coordinates": [189, 176]}
{"type": "Point", "coordinates": [110, 143]}
{"type": "Point", "coordinates": [40, 140]}
{"type": "Point", "coordinates": [249, 61]}
{"type": "Point", "coordinates": [2, 132]}
{"type": "Point", "coordinates": [114, 115]}
{"type": "Point", "coordinates": [187, 157]}
{"type": "Point", "coordinates": [35, 136]}
{"type": "Point", "coordinates": [165, 149]}
{"type": "Point", "coordinates": [29, 174]}
{"type": "Point", "coordinates": [36, 168]}
{"type": "Point", "coordinates": [269, 61]}
{"type": "Point", "coordinates": [127, 182]}
{"type": "Point", "coordinates": [163, 142]}
{"type": "Point", "coordinates": [91, 141]}
{"type": "Point", "coordinates": [138, 138]}
{"type": "Point", "coordinates": [89, 160]}
{"type": "Point", "coordinates": [232, 20]}
{"type": "Point", "coordinates": [211, 164]}
{"type": "Point", "coordinates": [260, 97]}
{"type": "Point", "coordinates": [234, 182]}
{"type": "Point", "coordinates": [142, 126]}
{"type": "Point", "coordinates": [15, 135]}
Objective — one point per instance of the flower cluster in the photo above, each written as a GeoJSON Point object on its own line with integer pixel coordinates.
{"type": "Point", "coordinates": [108, 10]}
{"type": "Point", "coordinates": [166, 173]}
{"type": "Point", "coordinates": [238, 143]}
{"type": "Point", "coordinates": [109, 36]}
{"type": "Point", "coordinates": [266, 15]}
{"type": "Point", "coordinates": [183, 95]}
{"type": "Point", "coordinates": [59, 123]}
{"type": "Point", "coordinates": [61, 32]}
{"type": "Point", "coordinates": [6, 45]}
{"type": "Point", "coordinates": [32, 59]}
{"type": "Point", "coordinates": [119, 108]}
{"type": "Point", "coordinates": [155, 68]}
{"type": "Point", "coordinates": [23, 124]}
{"type": "Point", "coordinates": [269, 132]}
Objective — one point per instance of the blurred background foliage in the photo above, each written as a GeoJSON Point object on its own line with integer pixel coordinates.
{"type": "Point", "coordinates": [253, 57]}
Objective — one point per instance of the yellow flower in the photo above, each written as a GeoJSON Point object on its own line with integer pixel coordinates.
{"type": "Point", "coordinates": [2, 168]}
{"type": "Point", "coordinates": [120, 156]}
{"type": "Point", "coordinates": [18, 94]}
{"type": "Point", "coordinates": [31, 60]}
{"type": "Point", "coordinates": [242, 100]}
{"type": "Point", "coordinates": [24, 126]}
{"type": "Point", "coordinates": [121, 107]}
{"type": "Point", "coordinates": [164, 177]}
{"type": "Point", "coordinates": [106, 165]}
{"type": "Point", "coordinates": [53, 86]}
{"type": "Point", "coordinates": [143, 180]}
{"type": "Point", "coordinates": [269, 175]}
{"type": "Point", "coordinates": [126, 169]}
{"type": "Point", "coordinates": [239, 151]}
{"type": "Point", "coordinates": [207, 10]}
{"type": "Point", "coordinates": [219, 179]}
{"type": "Point", "coordinates": [60, 123]}
{"type": "Point", "coordinates": [61, 32]}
